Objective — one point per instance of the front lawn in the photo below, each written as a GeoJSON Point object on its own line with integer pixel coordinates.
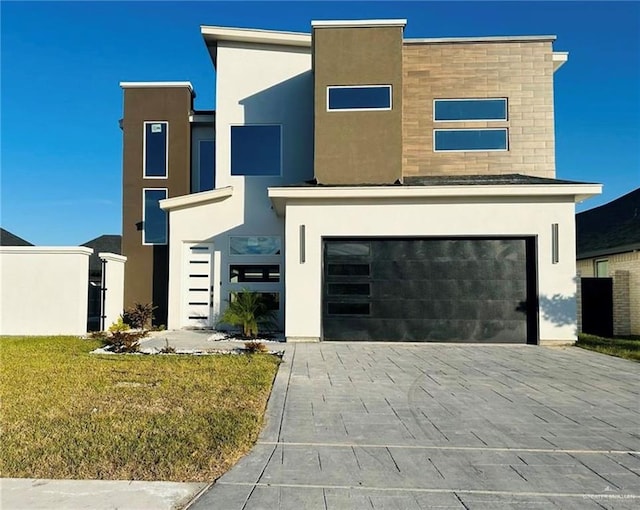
{"type": "Point", "coordinates": [70, 414]}
{"type": "Point", "coordinates": [628, 348]}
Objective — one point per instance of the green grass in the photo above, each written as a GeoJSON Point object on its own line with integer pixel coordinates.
{"type": "Point", "coordinates": [70, 414]}
{"type": "Point", "coordinates": [628, 348]}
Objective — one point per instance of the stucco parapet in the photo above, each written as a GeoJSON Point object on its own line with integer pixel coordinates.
{"type": "Point", "coordinates": [195, 199]}
{"type": "Point", "coordinates": [47, 250]}
{"type": "Point", "coordinates": [112, 257]}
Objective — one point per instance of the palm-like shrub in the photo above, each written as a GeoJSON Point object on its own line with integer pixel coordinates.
{"type": "Point", "coordinates": [248, 310]}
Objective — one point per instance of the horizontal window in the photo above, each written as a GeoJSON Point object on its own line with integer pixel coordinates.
{"type": "Point", "coordinates": [348, 249]}
{"type": "Point", "coordinates": [156, 149]}
{"type": "Point", "coordinates": [255, 245]}
{"type": "Point", "coordinates": [470, 139]}
{"type": "Point", "coordinates": [348, 308]}
{"type": "Point", "coordinates": [348, 289]}
{"type": "Point", "coordinates": [154, 219]}
{"type": "Point", "coordinates": [470, 109]}
{"type": "Point", "coordinates": [254, 273]}
{"type": "Point", "coordinates": [271, 299]}
{"type": "Point", "coordinates": [348, 270]}
{"type": "Point", "coordinates": [363, 97]}
{"type": "Point", "coordinates": [256, 150]}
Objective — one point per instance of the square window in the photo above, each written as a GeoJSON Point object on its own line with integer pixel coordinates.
{"type": "Point", "coordinates": [156, 149]}
{"type": "Point", "coordinates": [256, 150]}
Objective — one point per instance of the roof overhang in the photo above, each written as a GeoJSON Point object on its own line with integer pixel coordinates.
{"type": "Point", "coordinates": [212, 35]}
{"type": "Point", "coordinates": [559, 58]}
{"type": "Point", "coordinates": [195, 199]}
{"type": "Point", "coordinates": [280, 196]}
{"type": "Point", "coordinates": [359, 23]}
{"type": "Point", "coordinates": [156, 84]}
{"type": "Point", "coordinates": [615, 250]}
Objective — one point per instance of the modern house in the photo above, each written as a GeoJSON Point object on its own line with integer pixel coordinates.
{"type": "Point", "coordinates": [372, 187]}
{"type": "Point", "coordinates": [608, 250]}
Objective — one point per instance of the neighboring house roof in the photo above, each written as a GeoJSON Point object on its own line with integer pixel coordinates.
{"type": "Point", "coordinates": [9, 239]}
{"type": "Point", "coordinates": [107, 243]}
{"type": "Point", "coordinates": [610, 228]}
{"type": "Point", "coordinates": [451, 180]}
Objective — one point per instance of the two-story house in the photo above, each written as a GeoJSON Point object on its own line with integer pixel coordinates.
{"type": "Point", "coordinates": [372, 187]}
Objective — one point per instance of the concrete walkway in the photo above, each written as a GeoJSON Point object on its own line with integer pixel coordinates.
{"type": "Point", "coordinates": [442, 426]}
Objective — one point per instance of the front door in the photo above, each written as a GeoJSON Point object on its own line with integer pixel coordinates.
{"type": "Point", "coordinates": [198, 296]}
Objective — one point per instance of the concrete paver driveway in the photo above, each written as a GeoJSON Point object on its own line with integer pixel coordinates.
{"type": "Point", "coordinates": [443, 426]}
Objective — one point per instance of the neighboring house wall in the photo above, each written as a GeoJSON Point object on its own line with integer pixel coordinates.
{"type": "Point", "coordinates": [358, 147]}
{"type": "Point", "coordinates": [114, 284]}
{"type": "Point", "coordinates": [521, 71]}
{"type": "Point", "coordinates": [623, 299]}
{"type": "Point", "coordinates": [255, 84]}
{"type": "Point", "coordinates": [44, 290]}
{"type": "Point", "coordinates": [147, 271]}
{"type": "Point", "coordinates": [461, 216]}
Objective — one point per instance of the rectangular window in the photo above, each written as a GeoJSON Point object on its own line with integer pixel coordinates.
{"type": "Point", "coordinates": [602, 268]}
{"type": "Point", "coordinates": [255, 245]}
{"type": "Point", "coordinates": [348, 270]}
{"type": "Point", "coordinates": [470, 139]}
{"type": "Point", "coordinates": [254, 273]}
{"type": "Point", "coordinates": [271, 299]}
{"type": "Point", "coordinates": [460, 110]}
{"type": "Point", "coordinates": [154, 219]}
{"type": "Point", "coordinates": [206, 164]}
{"type": "Point", "coordinates": [256, 150]}
{"type": "Point", "coordinates": [348, 289]}
{"type": "Point", "coordinates": [349, 249]}
{"type": "Point", "coordinates": [156, 149]}
{"type": "Point", "coordinates": [348, 308]}
{"type": "Point", "coordinates": [363, 97]}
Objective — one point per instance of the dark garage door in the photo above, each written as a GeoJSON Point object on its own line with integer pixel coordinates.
{"type": "Point", "coordinates": [430, 290]}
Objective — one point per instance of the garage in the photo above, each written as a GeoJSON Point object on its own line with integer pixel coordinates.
{"type": "Point", "coordinates": [462, 289]}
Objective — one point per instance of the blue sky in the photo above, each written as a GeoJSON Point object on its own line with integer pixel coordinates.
{"type": "Point", "coordinates": [61, 63]}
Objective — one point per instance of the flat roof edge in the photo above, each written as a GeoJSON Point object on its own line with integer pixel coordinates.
{"type": "Point", "coordinates": [155, 84]}
{"type": "Point", "coordinates": [496, 38]}
{"type": "Point", "coordinates": [347, 23]}
{"type": "Point", "coordinates": [213, 34]}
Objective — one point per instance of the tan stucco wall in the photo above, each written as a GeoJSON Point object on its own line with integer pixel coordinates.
{"type": "Point", "coordinates": [621, 262]}
{"type": "Point", "coordinates": [520, 71]}
{"type": "Point", "coordinates": [357, 147]}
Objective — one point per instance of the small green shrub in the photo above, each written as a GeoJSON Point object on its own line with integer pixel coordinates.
{"type": "Point", "coordinates": [167, 349]}
{"type": "Point", "coordinates": [248, 310]}
{"type": "Point", "coordinates": [253, 347]}
{"type": "Point", "coordinates": [139, 315]}
{"type": "Point", "coordinates": [122, 339]}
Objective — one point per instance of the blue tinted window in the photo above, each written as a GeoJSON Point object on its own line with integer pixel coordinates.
{"type": "Point", "coordinates": [470, 139]}
{"type": "Point", "coordinates": [471, 109]}
{"type": "Point", "coordinates": [155, 219]}
{"type": "Point", "coordinates": [255, 150]}
{"type": "Point", "coordinates": [155, 149]}
{"type": "Point", "coordinates": [359, 98]}
{"type": "Point", "coordinates": [206, 165]}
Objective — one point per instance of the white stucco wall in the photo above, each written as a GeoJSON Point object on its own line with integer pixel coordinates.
{"type": "Point", "coordinates": [114, 283]}
{"type": "Point", "coordinates": [492, 216]}
{"type": "Point", "coordinates": [44, 290]}
{"type": "Point", "coordinates": [255, 84]}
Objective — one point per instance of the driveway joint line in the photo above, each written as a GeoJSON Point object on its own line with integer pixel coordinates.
{"type": "Point", "coordinates": [462, 448]}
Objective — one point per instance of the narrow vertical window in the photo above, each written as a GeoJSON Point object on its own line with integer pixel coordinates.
{"type": "Point", "coordinates": [206, 164]}
{"type": "Point", "coordinates": [154, 219]}
{"type": "Point", "coordinates": [156, 149]}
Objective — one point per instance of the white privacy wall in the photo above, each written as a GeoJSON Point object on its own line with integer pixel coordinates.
{"type": "Point", "coordinates": [433, 217]}
{"type": "Point", "coordinates": [255, 84]}
{"type": "Point", "coordinates": [114, 283]}
{"type": "Point", "coordinates": [44, 290]}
